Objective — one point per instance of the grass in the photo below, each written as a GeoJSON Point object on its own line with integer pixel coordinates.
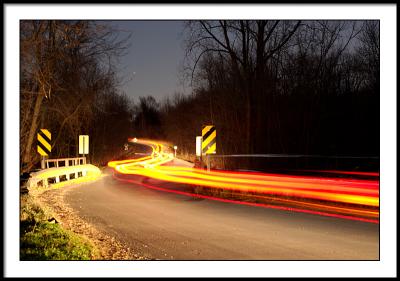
{"type": "Point", "coordinates": [44, 240]}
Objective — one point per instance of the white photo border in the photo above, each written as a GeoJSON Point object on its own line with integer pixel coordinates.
{"type": "Point", "coordinates": [385, 267]}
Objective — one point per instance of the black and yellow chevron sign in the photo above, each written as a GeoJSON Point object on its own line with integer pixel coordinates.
{"type": "Point", "coordinates": [43, 145]}
{"type": "Point", "coordinates": [209, 143]}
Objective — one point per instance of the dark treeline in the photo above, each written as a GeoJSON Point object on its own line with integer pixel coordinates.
{"type": "Point", "coordinates": [290, 87]}
{"type": "Point", "coordinates": [68, 86]}
{"type": "Point", "coordinates": [281, 87]}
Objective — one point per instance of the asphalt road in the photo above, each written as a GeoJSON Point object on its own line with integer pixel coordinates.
{"type": "Point", "coordinates": [165, 226]}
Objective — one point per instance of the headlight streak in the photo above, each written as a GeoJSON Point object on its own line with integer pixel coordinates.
{"type": "Point", "coordinates": [361, 194]}
{"type": "Point", "coordinates": [345, 187]}
{"type": "Point", "coordinates": [251, 204]}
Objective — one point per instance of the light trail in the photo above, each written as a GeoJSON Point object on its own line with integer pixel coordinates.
{"type": "Point", "coordinates": [322, 195]}
{"type": "Point", "coordinates": [313, 212]}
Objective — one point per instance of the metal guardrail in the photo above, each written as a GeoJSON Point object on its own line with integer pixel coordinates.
{"type": "Point", "coordinates": [60, 174]}
{"type": "Point", "coordinates": [274, 161]}
{"type": "Point", "coordinates": [291, 156]}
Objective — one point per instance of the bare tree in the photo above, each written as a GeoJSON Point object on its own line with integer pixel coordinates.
{"type": "Point", "coordinates": [369, 53]}
{"type": "Point", "coordinates": [62, 65]}
{"type": "Point", "coordinates": [247, 46]}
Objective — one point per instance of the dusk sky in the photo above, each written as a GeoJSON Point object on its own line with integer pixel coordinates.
{"type": "Point", "coordinates": [153, 61]}
{"type": "Point", "coordinates": [151, 65]}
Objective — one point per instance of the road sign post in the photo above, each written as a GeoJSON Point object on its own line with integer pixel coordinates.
{"type": "Point", "coordinates": [209, 142]}
{"type": "Point", "coordinates": [43, 145]}
{"type": "Point", "coordinates": [209, 139]}
{"type": "Point", "coordinates": [83, 145]}
{"type": "Point", "coordinates": [198, 147]}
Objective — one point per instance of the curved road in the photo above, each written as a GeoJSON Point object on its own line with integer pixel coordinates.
{"type": "Point", "coordinates": [160, 225]}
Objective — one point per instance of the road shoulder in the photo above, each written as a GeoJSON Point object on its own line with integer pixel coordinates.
{"type": "Point", "coordinates": [109, 247]}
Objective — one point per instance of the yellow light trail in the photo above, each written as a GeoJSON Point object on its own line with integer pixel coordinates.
{"type": "Point", "coordinates": [294, 189]}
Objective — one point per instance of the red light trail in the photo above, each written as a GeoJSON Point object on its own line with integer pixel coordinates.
{"type": "Point", "coordinates": [356, 199]}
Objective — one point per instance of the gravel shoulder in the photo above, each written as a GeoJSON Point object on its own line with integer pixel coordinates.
{"type": "Point", "coordinates": [109, 248]}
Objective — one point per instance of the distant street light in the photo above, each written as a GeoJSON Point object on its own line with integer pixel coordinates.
{"type": "Point", "coordinates": [135, 140]}
{"type": "Point", "coordinates": [175, 148]}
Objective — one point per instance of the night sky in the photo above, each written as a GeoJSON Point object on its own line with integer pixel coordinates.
{"type": "Point", "coordinates": [154, 58]}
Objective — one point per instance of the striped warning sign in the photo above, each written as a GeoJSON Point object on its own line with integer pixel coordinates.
{"type": "Point", "coordinates": [209, 144]}
{"type": "Point", "coordinates": [43, 145]}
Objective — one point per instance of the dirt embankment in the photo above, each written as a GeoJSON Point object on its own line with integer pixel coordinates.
{"type": "Point", "coordinates": [108, 247]}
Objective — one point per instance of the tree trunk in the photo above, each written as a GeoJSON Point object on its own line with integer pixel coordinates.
{"type": "Point", "coordinates": [33, 129]}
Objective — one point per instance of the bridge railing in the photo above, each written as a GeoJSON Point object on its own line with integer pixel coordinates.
{"type": "Point", "coordinates": [64, 169]}
{"type": "Point", "coordinates": [64, 162]}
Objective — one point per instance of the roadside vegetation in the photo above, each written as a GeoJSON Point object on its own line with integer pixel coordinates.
{"type": "Point", "coordinates": [42, 237]}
